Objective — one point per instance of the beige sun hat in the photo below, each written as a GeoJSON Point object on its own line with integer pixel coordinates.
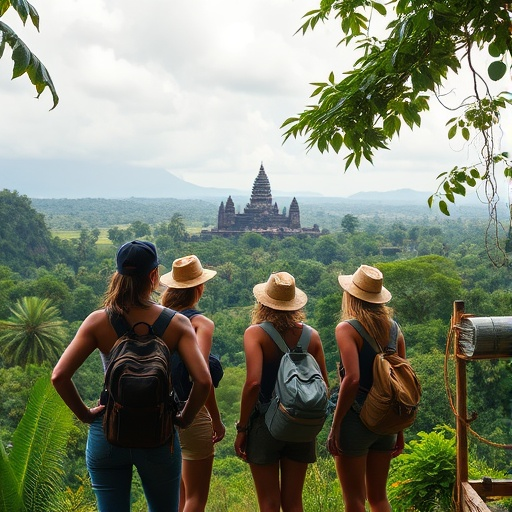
{"type": "Point", "coordinates": [366, 284]}
{"type": "Point", "coordinates": [187, 272]}
{"type": "Point", "coordinates": [280, 293]}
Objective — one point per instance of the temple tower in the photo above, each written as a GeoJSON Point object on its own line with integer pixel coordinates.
{"type": "Point", "coordinates": [294, 214]}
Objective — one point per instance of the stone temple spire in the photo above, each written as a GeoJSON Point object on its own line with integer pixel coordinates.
{"type": "Point", "coordinates": [261, 196]}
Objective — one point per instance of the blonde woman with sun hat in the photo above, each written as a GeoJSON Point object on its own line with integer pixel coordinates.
{"type": "Point", "coordinates": [185, 286]}
{"type": "Point", "coordinates": [278, 468]}
{"type": "Point", "coordinates": [362, 457]}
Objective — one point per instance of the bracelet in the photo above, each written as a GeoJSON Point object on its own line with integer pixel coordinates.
{"type": "Point", "coordinates": [239, 427]}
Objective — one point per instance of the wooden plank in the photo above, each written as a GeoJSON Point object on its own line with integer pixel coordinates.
{"type": "Point", "coordinates": [471, 501]}
{"type": "Point", "coordinates": [492, 488]}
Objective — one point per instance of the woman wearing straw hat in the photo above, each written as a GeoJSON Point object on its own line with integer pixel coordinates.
{"type": "Point", "coordinates": [362, 457]}
{"type": "Point", "coordinates": [111, 467]}
{"type": "Point", "coordinates": [185, 286]}
{"type": "Point", "coordinates": [278, 467]}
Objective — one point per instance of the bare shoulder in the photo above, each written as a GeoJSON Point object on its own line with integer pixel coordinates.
{"type": "Point", "coordinates": [202, 321]}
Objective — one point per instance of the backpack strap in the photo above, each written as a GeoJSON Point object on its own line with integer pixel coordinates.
{"type": "Point", "coordinates": [393, 336]}
{"type": "Point", "coordinates": [302, 344]}
{"type": "Point", "coordinates": [119, 323]}
{"type": "Point", "coordinates": [160, 324]}
{"type": "Point", "coordinates": [121, 326]}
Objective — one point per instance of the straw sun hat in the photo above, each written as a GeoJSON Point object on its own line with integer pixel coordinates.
{"type": "Point", "coordinates": [187, 272]}
{"type": "Point", "coordinates": [280, 293]}
{"type": "Point", "coordinates": [366, 284]}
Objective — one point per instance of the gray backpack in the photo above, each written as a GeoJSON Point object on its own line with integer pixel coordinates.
{"type": "Point", "coordinates": [298, 407]}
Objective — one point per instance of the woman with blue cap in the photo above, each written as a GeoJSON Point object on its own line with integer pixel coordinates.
{"type": "Point", "coordinates": [110, 467]}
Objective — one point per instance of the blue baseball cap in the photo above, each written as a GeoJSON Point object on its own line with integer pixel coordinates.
{"type": "Point", "coordinates": [136, 258]}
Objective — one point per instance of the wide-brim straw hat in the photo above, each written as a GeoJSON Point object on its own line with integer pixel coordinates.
{"type": "Point", "coordinates": [366, 284]}
{"type": "Point", "coordinates": [187, 272]}
{"type": "Point", "coordinates": [280, 293]}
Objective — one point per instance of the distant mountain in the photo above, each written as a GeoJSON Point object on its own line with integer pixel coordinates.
{"type": "Point", "coordinates": [404, 195]}
{"type": "Point", "coordinates": [73, 180]}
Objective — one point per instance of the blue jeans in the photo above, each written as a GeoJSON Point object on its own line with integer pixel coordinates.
{"type": "Point", "coordinates": [110, 468]}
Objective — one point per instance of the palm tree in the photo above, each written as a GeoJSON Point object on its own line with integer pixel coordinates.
{"type": "Point", "coordinates": [33, 334]}
{"type": "Point", "coordinates": [31, 473]}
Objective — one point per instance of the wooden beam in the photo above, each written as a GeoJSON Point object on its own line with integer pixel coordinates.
{"type": "Point", "coordinates": [471, 501]}
{"type": "Point", "coordinates": [462, 412]}
{"type": "Point", "coordinates": [492, 488]}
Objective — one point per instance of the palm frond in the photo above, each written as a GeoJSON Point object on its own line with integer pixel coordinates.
{"type": "Point", "coordinates": [10, 500]}
{"type": "Point", "coordinates": [39, 446]}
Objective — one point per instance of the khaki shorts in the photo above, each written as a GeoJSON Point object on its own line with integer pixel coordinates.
{"type": "Point", "coordinates": [197, 439]}
{"type": "Point", "coordinates": [356, 440]}
{"type": "Point", "coordinates": [262, 448]}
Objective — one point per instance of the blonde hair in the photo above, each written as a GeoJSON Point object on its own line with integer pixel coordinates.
{"type": "Point", "coordinates": [375, 318]}
{"type": "Point", "coordinates": [281, 320]}
{"type": "Point", "coordinates": [124, 292]}
{"type": "Point", "coordinates": [179, 298]}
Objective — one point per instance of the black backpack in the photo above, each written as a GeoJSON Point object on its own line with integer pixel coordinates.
{"type": "Point", "coordinates": [180, 376]}
{"type": "Point", "coordinates": [138, 393]}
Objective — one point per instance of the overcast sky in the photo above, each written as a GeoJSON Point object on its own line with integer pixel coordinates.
{"type": "Point", "coordinates": [201, 89]}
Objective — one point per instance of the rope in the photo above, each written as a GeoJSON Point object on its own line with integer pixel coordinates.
{"type": "Point", "coordinates": [449, 344]}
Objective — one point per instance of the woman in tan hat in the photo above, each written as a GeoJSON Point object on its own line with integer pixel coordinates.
{"type": "Point", "coordinates": [362, 457]}
{"type": "Point", "coordinates": [278, 467]}
{"type": "Point", "coordinates": [185, 286]}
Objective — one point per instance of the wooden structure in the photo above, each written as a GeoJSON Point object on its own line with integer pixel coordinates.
{"type": "Point", "coordinates": [475, 338]}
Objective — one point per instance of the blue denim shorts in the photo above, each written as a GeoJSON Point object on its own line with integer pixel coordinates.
{"type": "Point", "coordinates": [356, 440]}
{"type": "Point", "coordinates": [110, 468]}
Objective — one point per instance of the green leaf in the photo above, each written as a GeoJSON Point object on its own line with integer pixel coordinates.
{"type": "Point", "coordinates": [497, 70]}
{"type": "Point", "coordinates": [4, 5]}
{"type": "Point", "coordinates": [379, 8]}
{"type": "Point", "coordinates": [494, 50]}
{"type": "Point", "coordinates": [465, 133]}
{"type": "Point", "coordinates": [430, 200]}
{"type": "Point", "coordinates": [21, 57]}
{"type": "Point", "coordinates": [337, 141]}
{"type": "Point", "coordinates": [22, 8]}
{"type": "Point", "coordinates": [452, 131]}
{"type": "Point", "coordinates": [444, 208]}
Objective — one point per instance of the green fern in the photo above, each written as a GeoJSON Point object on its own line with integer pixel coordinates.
{"type": "Point", "coordinates": [31, 474]}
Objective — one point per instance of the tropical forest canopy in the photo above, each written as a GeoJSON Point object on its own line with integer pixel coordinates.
{"type": "Point", "coordinates": [51, 278]}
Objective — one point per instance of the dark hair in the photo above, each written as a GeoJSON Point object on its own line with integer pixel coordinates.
{"type": "Point", "coordinates": [125, 292]}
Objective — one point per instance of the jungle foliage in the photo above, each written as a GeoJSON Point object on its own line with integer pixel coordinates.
{"type": "Point", "coordinates": [431, 265]}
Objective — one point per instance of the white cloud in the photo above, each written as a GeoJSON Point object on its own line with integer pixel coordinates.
{"type": "Point", "coordinates": [201, 89]}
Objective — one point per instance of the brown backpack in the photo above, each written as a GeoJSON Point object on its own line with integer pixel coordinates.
{"type": "Point", "coordinates": [138, 393]}
{"type": "Point", "coordinates": [392, 402]}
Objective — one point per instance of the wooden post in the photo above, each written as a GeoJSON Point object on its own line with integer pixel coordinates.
{"type": "Point", "coordinates": [462, 413]}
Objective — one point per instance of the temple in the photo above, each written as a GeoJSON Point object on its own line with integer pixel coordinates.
{"type": "Point", "coordinates": [260, 214]}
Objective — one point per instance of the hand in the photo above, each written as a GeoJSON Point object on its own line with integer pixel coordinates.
{"type": "Point", "coordinates": [93, 413]}
{"type": "Point", "coordinates": [179, 421]}
{"type": "Point", "coordinates": [219, 431]}
{"type": "Point", "coordinates": [240, 442]}
{"type": "Point", "coordinates": [333, 443]}
{"type": "Point", "coordinates": [399, 445]}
